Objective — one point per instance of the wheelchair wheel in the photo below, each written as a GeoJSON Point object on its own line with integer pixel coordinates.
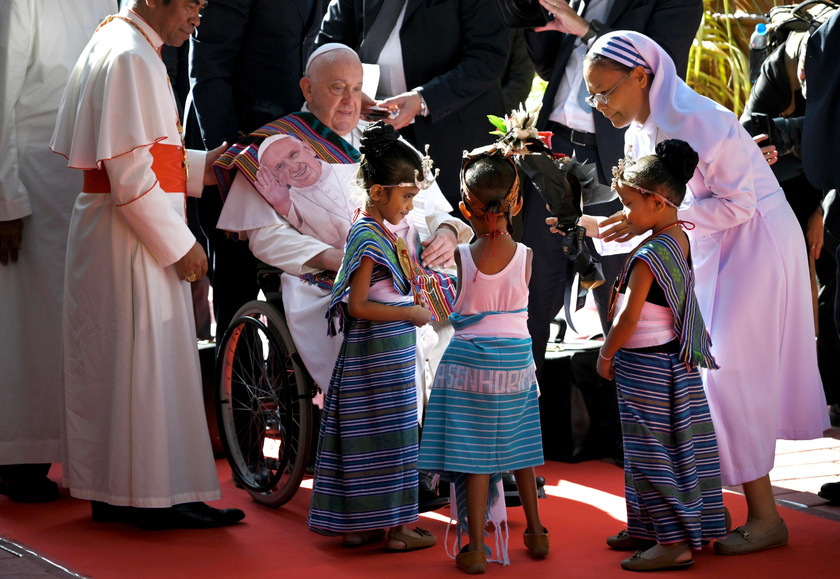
{"type": "Point", "coordinates": [264, 404]}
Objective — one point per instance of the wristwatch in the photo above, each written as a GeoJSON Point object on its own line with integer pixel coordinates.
{"type": "Point", "coordinates": [422, 111]}
{"type": "Point", "coordinates": [594, 29]}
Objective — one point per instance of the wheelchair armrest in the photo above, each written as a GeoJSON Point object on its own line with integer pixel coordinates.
{"type": "Point", "coordinates": [268, 278]}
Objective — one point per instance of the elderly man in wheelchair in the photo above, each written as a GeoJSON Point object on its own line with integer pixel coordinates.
{"type": "Point", "coordinates": [290, 193]}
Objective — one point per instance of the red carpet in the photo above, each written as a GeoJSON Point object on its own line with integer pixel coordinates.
{"type": "Point", "coordinates": [584, 507]}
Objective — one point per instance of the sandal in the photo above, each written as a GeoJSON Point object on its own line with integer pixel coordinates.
{"type": "Point", "coordinates": [359, 538]}
{"type": "Point", "coordinates": [412, 543]}
{"type": "Point", "coordinates": [537, 543]}
{"type": "Point", "coordinates": [665, 561]}
{"type": "Point", "coordinates": [624, 542]}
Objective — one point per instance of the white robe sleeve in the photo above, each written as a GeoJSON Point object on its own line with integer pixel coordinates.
{"type": "Point", "coordinates": [438, 212]}
{"type": "Point", "coordinates": [147, 209]}
{"type": "Point", "coordinates": [196, 161]}
{"type": "Point", "coordinates": [283, 246]}
{"type": "Point", "coordinates": [14, 58]}
{"type": "Point", "coordinates": [731, 182]}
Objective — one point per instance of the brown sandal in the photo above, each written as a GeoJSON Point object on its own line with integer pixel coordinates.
{"type": "Point", "coordinates": [359, 538]}
{"type": "Point", "coordinates": [425, 540]}
{"type": "Point", "coordinates": [537, 543]}
{"type": "Point", "coordinates": [472, 562]}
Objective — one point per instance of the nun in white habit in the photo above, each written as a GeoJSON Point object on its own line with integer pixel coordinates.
{"type": "Point", "coordinates": [751, 269]}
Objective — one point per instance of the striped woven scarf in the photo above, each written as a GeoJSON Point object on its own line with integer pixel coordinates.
{"type": "Point", "coordinates": [242, 156]}
{"type": "Point", "coordinates": [367, 238]}
{"type": "Point", "coordinates": [663, 255]}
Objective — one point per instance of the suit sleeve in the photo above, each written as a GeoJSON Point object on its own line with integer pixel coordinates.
{"type": "Point", "coordinates": [673, 25]}
{"type": "Point", "coordinates": [542, 49]}
{"type": "Point", "coordinates": [483, 52]}
{"type": "Point", "coordinates": [213, 55]}
{"type": "Point", "coordinates": [342, 24]}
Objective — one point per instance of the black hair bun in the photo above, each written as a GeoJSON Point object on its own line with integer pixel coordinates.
{"type": "Point", "coordinates": [680, 159]}
{"type": "Point", "coordinates": [377, 137]}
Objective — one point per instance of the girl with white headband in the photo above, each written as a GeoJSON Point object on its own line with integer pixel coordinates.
{"type": "Point", "coordinates": [752, 274]}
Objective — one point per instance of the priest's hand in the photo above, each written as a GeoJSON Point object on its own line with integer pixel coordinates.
{"type": "Point", "coordinates": [439, 249]}
{"type": "Point", "coordinates": [193, 265]}
{"type": "Point", "coordinates": [212, 157]}
{"type": "Point", "coordinates": [618, 230]}
{"type": "Point", "coordinates": [11, 233]}
{"type": "Point", "coordinates": [565, 19]}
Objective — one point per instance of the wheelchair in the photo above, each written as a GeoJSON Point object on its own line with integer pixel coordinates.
{"type": "Point", "coordinates": [264, 399]}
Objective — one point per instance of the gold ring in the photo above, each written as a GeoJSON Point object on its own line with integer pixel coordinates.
{"type": "Point", "coordinates": [191, 277]}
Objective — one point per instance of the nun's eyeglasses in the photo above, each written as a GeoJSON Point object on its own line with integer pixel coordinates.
{"type": "Point", "coordinates": [603, 97]}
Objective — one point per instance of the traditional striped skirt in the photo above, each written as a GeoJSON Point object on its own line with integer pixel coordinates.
{"type": "Point", "coordinates": [671, 465]}
{"type": "Point", "coordinates": [366, 466]}
{"type": "Point", "coordinates": [483, 416]}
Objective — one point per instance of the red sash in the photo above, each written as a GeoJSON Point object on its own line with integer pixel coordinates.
{"type": "Point", "coordinates": [167, 164]}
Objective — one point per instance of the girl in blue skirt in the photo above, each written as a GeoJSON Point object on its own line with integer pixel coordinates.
{"type": "Point", "coordinates": [483, 418]}
{"type": "Point", "coordinates": [653, 350]}
{"type": "Point", "coordinates": [366, 465]}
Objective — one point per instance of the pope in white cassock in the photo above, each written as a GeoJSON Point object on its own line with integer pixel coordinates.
{"type": "Point", "coordinates": [302, 239]}
{"type": "Point", "coordinates": [136, 435]}
{"type": "Point", "coordinates": [39, 43]}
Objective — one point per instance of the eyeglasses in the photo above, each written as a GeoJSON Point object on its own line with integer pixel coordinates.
{"type": "Point", "coordinates": [603, 97]}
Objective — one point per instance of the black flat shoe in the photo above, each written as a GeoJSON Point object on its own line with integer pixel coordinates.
{"type": "Point", "coordinates": [107, 513]}
{"type": "Point", "coordinates": [188, 516]}
{"type": "Point", "coordinates": [39, 490]}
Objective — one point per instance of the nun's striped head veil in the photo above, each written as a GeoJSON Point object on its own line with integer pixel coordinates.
{"type": "Point", "coordinates": [676, 110]}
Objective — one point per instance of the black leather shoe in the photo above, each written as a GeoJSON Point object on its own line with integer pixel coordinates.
{"type": "Point", "coordinates": [830, 492]}
{"type": "Point", "coordinates": [41, 490]}
{"type": "Point", "coordinates": [188, 516]}
{"type": "Point", "coordinates": [428, 497]}
{"type": "Point", "coordinates": [107, 513]}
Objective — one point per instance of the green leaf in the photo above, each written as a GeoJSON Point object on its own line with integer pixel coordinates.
{"type": "Point", "coordinates": [497, 122]}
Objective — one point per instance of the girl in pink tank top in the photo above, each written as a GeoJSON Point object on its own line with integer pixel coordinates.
{"type": "Point", "coordinates": [483, 418]}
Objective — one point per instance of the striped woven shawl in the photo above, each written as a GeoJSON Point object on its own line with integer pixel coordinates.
{"type": "Point", "coordinates": [663, 255]}
{"type": "Point", "coordinates": [328, 146]}
{"type": "Point", "coordinates": [367, 238]}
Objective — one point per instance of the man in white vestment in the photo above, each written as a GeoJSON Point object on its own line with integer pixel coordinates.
{"type": "Point", "coordinates": [332, 87]}
{"type": "Point", "coordinates": [137, 443]}
{"type": "Point", "coordinates": [39, 43]}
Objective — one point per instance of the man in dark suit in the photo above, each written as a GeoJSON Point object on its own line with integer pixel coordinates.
{"type": "Point", "coordinates": [447, 57]}
{"type": "Point", "coordinates": [557, 51]}
{"type": "Point", "coordinates": [819, 145]}
{"type": "Point", "coordinates": [246, 63]}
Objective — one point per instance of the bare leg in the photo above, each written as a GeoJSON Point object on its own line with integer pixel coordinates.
{"type": "Point", "coordinates": [658, 550]}
{"type": "Point", "coordinates": [478, 487]}
{"type": "Point", "coordinates": [526, 484]}
{"type": "Point", "coordinates": [762, 515]}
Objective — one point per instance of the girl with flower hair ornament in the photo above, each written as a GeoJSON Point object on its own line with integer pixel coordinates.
{"type": "Point", "coordinates": [483, 418]}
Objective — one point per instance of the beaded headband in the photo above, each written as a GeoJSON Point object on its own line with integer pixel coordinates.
{"type": "Point", "coordinates": [618, 173]}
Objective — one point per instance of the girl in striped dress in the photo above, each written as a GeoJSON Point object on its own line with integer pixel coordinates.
{"type": "Point", "coordinates": [482, 418]}
{"type": "Point", "coordinates": [366, 465]}
{"type": "Point", "coordinates": [653, 350]}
